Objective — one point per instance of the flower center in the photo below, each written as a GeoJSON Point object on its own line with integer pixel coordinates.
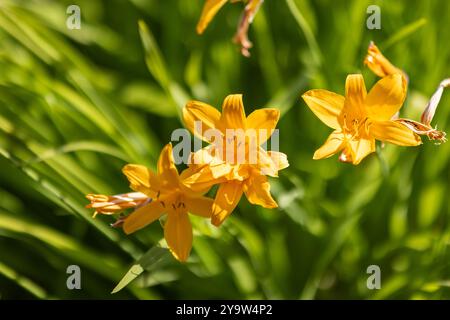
{"type": "Point", "coordinates": [175, 203]}
{"type": "Point", "coordinates": [354, 127]}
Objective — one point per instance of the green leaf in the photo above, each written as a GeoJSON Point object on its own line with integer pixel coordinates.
{"type": "Point", "coordinates": [95, 146]}
{"type": "Point", "coordinates": [403, 33]}
{"type": "Point", "coordinates": [307, 31]}
{"type": "Point", "coordinates": [153, 57]}
{"type": "Point", "coordinates": [22, 281]}
{"type": "Point", "coordinates": [151, 257]}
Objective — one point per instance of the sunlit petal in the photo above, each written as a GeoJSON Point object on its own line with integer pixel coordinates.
{"type": "Point", "coordinates": [199, 117]}
{"type": "Point", "coordinates": [263, 121]}
{"type": "Point", "coordinates": [386, 97]}
{"type": "Point", "coordinates": [257, 191]}
{"type": "Point", "coordinates": [332, 146]}
{"type": "Point", "coordinates": [200, 206]}
{"type": "Point", "coordinates": [355, 94]}
{"type": "Point", "coordinates": [326, 105]}
{"type": "Point", "coordinates": [233, 114]}
{"type": "Point", "coordinates": [199, 180]}
{"type": "Point", "coordinates": [141, 179]}
{"type": "Point", "coordinates": [143, 217]}
{"type": "Point", "coordinates": [178, 235]}
{"type": "Point", "coordinates": [361, 148]}
{"type": "Point", "coordinates": [394, 132]}
{"type": "Point", "coordinates": [279, 159]}
{"type": "Point", "coordinates": [227, 198]}
{"type": "Point", "coordinates": [167, 171]}
{"type": "Point", "coordinates": [266, 164]}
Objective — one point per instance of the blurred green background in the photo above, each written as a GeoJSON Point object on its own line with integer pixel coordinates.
{"type": "Point", "coordinates": [76, 105]}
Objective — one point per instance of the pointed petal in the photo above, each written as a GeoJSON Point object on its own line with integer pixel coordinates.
{"type": "Point", "coordinates": [200, 206]}
{"type": "Point", "coordinates": [233, 114]}
{"type": "Point", "coordinates": [257, 191]}
{"type": "Point", "coordinates": [326, 105]}
{"type": "Point", "coordinates": [279, 159]}
{"type": "Point", "coordinates": [333, 145]}
{"type": "Point", "coordinates": [227, 198]}
{"type": "Point", "coordinates": [210, 9]}
{"type": "Point", "coordinates": [178, 235]}
{"type": "Point", "coordinates": [141, 179]}
{"type": "Point", "coordinates": [361, 148]}
{"type": "Point", "coordinates": [143, 217]}
{"type": "Point", "coordinates": [199, 117]}
{"type": "Point", "coordinates": [394, 132]}
{"type": "Point", "coordinates": [355, 94]}
{"type": "Point", "coordinates": [386, 97]}
{"type": "Point", "coordinates": [167, 172]}
{"type": "Point", "coordinates": [263, 121]}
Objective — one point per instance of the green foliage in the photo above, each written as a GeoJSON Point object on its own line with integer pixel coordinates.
{"type": "Point", "coordinates": [76, 105]}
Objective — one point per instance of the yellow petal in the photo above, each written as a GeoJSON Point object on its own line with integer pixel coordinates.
{"type": "Point", "coordinates": [200, 206]}
{"type": "Point", "coordinates": [263, 121]}
{"type": "Point", "coordinates": [361, 148]}
{"type": "Point", "coordinates": [227, 198]}
{"type": "Point", "coordinates": [167, 172]}
{"type": "Point", "coordinates": [266, 164]}
{"type": "Point", "coordinates": [216, 166]}
{"type": "Point", "coordinates": [214, 157]}
{"type": "Point", "coordinates": [332, 146]}
{"type": "Point", "coordinates": [196, 113]}
{"type": "Point", "coordinates": [378, 63]}
{"type": "Point", "coordinates": [233, 114]}
{"type": "Point", "coordinates": [279, 159]}
{"type": "Point", "coordinates": [326, 105]}
{"type": "Point", "coordinates": [257, 191]}
{"type": "Point", "coordinates": [204, 156]}
{"type": "Point", "coordinates": [141, 179]}
{"type": "Point", "coordinates": [238, 173]}
{"type": "Point", "coordinates": [199, 180]}
{"type": "Point", "coordinates": [220, 170]}
{"type": "Point", "coordinates": [394, 132]}
{"type": "Point", "coordinates": [386, 97]}
{"type": "Point", "coordinates": [178, 235]}
{"type": "Point", "coordinates": [143, 217]}
{"type": "Point", "coordinates": [210, 9]}
{"type": "Point", "coordinates": [355, 94]}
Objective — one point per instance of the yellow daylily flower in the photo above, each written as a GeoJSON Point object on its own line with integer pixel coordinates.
{"type": "Point", "coordinates": [211, 8]}
{"type": "Point", "coordinates": [162, 193]}
{"type": "Point", "coordinates": [221, 161]}
{"type": "Point", "coordinates": [382, 67]}
{"type": "Point", "coordinates": [360, 118]}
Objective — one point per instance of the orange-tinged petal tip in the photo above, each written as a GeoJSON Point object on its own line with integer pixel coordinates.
{"type": "Point", "coordinates": [379, 64]}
